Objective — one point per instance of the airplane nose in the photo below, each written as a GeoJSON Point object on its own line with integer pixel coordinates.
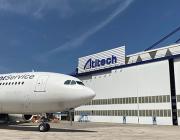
{"type": "Point", "coordinates": [90, 93]}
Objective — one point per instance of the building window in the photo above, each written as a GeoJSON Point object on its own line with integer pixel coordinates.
{"type": "Point", "coordinates": [150, 99]}
{"type": "Point", "coordinates": [169, 113]}
{"type": "Point", "coordinates": [165, 113]}
{"type": "Point", "coordinates": [160, 99]}
{"type": "Point", "coordinates": [161, 113]}
{"type": "Point", "coordinates": [130, 100]}
{"type": "Point", "coordinates": [153, 99]}
{"type": "Point", "coordinates": [157, 113]}
{"type": "Point", "coordinates": [143, 100]}
{"type": "Point", "coordinates": [146, 99]}
{"type": "Point", "coordinates": [168, 98]}
{"type": "Point", "coordinates": [164, 98]}
{"type": "Point", "coordinates": [157, 99]}
{"type": "Point", "coordinates": [140, 100]}
{"type": "Point", "coordinates": [126, 101]}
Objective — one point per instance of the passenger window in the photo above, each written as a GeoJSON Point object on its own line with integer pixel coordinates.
{"type": "Point", "coordinates": [22, 83]}
{"type": "Point", "coordinates": [73, 82]}
{"type": "Point", "coordinates": [12, 83]}
{"type": "Point", "coordinates": [15, 83]}
{"type": "Point", "coordinates": [9, 83]}
{"type": "Point", "coordinates": [19, 83]}
{"type": "Point", "coordinates": [6, 83]}
{"type": "Point", "coordinates": [67, 82]}
{"type": "Point", "coordinates": [0, 83]}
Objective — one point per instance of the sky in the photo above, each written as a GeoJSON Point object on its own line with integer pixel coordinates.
{"type": "Point", "coordinates": [50, 35]}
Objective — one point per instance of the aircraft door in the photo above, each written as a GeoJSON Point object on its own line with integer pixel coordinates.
{"type": "Point", "coordinates": [41, 84]}
{"type": "Point", "coordinates": [27, 104]}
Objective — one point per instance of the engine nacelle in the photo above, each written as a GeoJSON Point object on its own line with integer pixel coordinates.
{"type": "Point", "coordinates": [20, 117]}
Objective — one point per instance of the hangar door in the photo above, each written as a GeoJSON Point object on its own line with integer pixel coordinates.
{"type": "Point", "coordinates": [41, 84]}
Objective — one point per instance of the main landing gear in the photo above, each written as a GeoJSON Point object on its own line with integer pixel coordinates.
{"type": "Point", "coordinates": [44, 126]}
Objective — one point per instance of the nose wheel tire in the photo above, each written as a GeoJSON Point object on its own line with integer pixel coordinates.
{"type": "Point", "coordinates": [44, 127]}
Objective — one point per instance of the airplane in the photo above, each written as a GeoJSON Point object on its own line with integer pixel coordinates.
{"type": "Point", "coordinates": [31, 93]}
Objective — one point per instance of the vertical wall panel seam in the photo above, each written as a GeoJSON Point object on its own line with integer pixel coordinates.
{"type": "Point", "coordinates": [173, 92]}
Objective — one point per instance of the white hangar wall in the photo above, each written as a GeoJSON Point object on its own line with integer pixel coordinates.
{"type": "Point", "coordinates": [136, 94]}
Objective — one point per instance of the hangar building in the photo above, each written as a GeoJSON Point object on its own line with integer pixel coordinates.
{"type": "Point", "coordinates": [140, 88]}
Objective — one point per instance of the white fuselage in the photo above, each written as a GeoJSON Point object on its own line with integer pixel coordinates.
{"type": "Point", "coordinates": [40, 92]}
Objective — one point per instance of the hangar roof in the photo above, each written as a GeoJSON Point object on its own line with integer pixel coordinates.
{"type": "Point", "coordinates": [159, 54]}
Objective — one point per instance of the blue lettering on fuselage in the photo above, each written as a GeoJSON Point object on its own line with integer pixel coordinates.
{"type": "Point", "coordinates": [13, 77]}
{"type": "Point", "coordinates": [100, 62]}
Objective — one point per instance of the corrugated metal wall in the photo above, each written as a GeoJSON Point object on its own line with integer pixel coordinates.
{"type": "Point", "coordinates": [137, 93]}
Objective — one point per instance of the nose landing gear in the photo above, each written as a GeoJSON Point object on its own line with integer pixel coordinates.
{"type": "Point", "coordinates": [44, 126]}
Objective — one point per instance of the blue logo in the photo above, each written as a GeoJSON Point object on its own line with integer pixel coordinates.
{"type": "Point", "coordinates": [100, 62]}
{"type": "Point", "coordinates": [14, 77]}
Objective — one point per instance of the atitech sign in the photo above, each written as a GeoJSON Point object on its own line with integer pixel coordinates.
{"type": "Point", "coordinates": [106, 59]}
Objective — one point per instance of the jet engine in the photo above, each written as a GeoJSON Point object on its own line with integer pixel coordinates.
{"type": "Point", "coordinates": [20, 117]}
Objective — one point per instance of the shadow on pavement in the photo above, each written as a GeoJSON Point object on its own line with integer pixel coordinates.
{"type": "Point", "coordinates": [35, 128]}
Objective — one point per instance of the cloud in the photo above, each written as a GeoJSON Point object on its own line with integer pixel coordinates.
{"type": "Point", "coordinates": [77, 42]}
{"type": "Point", "coordinates": [36, 8]}
{"type": "Point", "coordinates": [65, 8]}
{"type": "Point", "coordinates": [97, 5]}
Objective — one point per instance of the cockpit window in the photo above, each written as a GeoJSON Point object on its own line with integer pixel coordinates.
{"type": "Point", "coordinates": [67, 82]}
{"type": "Point", "coordinates": [73, 82]}
{"type": "Point", "coordinates": [79, 83]}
